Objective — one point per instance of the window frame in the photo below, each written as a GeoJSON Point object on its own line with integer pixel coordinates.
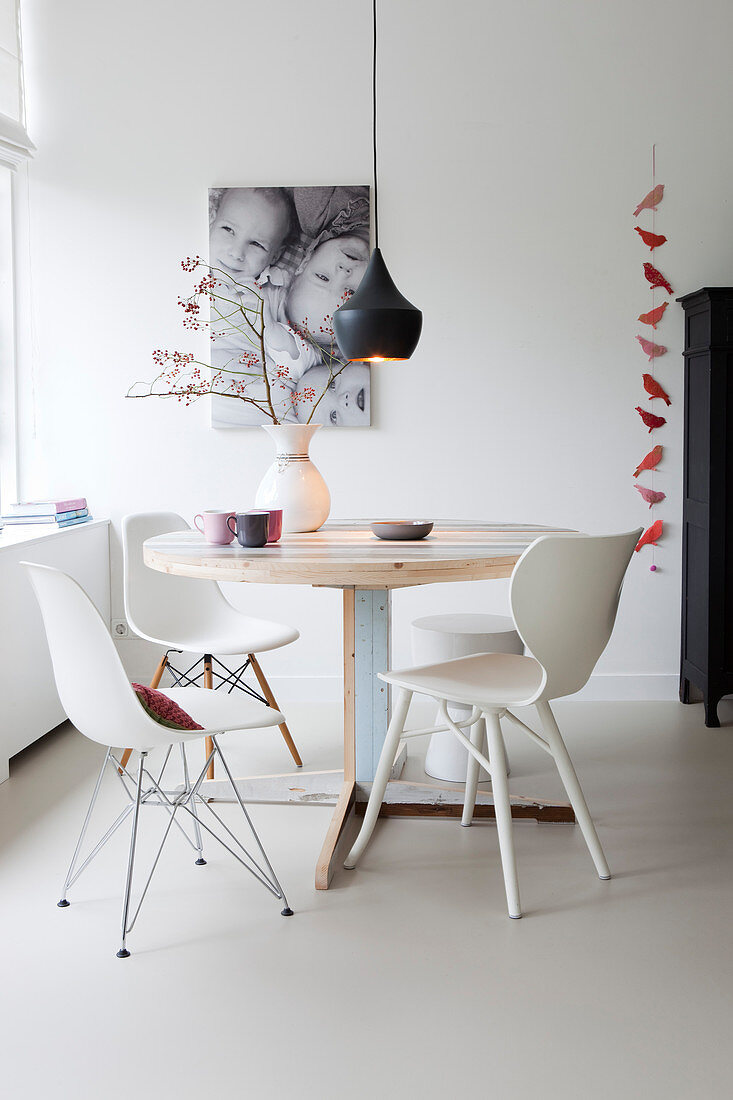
{"type": "Point", "coordinates": [15, 150]}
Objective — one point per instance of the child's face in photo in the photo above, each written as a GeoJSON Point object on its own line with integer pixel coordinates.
{"type": "Point", "coordinates": [345, 403]}
{"type": "Point", "coordinates": [335, 267]}
{"type": "Point", "coordinates": [247, 234]}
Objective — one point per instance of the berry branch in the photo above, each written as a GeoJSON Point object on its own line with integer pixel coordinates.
{"type": "Point", "coordinates": [236, 311]}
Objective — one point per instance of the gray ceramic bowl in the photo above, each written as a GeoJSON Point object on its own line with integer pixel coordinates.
{"type": "Point", "coordinates": [402, 528]}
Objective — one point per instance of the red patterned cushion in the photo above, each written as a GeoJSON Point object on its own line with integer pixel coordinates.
{"type": "Point", "coordinates": [163, 710]}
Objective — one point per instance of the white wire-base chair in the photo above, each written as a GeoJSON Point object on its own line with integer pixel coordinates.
{"type": "Point", "coordinates": [564, 597]}
{"type": "Point", "coordinates": [99, 700]}
{"type": "Point", "coordinates": [190, 615]}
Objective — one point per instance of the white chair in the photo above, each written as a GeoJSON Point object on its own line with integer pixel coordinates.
{"type": "Point", "coordinates": [564, 596]}
{"type": "Point", "coordinates": [100, 701]}
{"type": "Point", "coordinates": [193, 616]}
{"type": "Point", "coordinates": [439, 638]}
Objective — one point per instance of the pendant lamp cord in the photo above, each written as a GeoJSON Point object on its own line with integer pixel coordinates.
{"type": "Point", "coordinates": [374, 121]}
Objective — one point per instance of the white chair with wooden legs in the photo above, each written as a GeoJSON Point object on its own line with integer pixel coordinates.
{"type": "Point", "coordinates": [193, 616]}
{"type": "Point", "coordinates": [564, 596]}
{"type": "Point", "coordinates": [98, 698]}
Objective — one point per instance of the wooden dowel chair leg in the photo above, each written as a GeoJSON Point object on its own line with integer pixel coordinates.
{"type": "Point", "coordinates": [503, 811]}
{"type": "Point", "coordinates": [162, 664]}
{"type": "Point", "coordinates": [565, 767]}
{"type": "Point", "coordinates": [209, 683]}
{"type": "Point", "coordinates": [271, 702]}
{"type": "Point", "coordinates": [379, 786]}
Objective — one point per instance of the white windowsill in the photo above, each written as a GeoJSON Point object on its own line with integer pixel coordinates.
{"type": "Point", "coordinates": [17, 534]}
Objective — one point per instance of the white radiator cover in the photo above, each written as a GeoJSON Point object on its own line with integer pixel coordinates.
{"type": "Point", "coordinates": [29, 702]}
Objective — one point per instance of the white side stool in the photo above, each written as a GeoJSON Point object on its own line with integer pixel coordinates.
{"type": "Point", "coordinates": [440, 638]}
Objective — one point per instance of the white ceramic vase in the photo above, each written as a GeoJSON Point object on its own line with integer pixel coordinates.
{"type": "Point", "coordinates": [293, 483]}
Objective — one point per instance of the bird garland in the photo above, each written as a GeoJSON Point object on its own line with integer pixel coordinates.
{"type": "Point", "coordinates": [653, 388]}
{"type": "Point", "coordinates": [654, 316]}
{"type": "Point", "coordinates": [650, 420]}
{"type": "Point", "coordinates": [653, 351]}
{"type": "Point", "coordinates": [650, 461]}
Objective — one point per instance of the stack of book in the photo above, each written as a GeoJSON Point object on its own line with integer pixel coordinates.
{"type": "Point", "coordinates": [63, 513]}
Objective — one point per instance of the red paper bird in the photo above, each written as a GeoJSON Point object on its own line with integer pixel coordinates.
{"type": "Point", "coordinates": [650, 536]}
{"type": "Point", "coordinates": [650, 349]}
{"type": "Point", "coordinates": [656, 278]}
{"type": "Point", "coordinates": [650, 201]}
{"type": "Point", "coordinates": [654, 240]}
{"type": "Point", "coordinates": [654, 316]}
{"type": "Point", "coordinates": [650, 419]}
{"type": "Point", "coordinates": [653, 388]}
{"type": "Point", "coordinates": [650, 461]}
{"type": "Point", "coordinates": [651, 496]}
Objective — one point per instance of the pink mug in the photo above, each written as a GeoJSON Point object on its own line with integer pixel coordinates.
{"type": "Point", "coordinates": [275, 526]}
{"type": "Point", "coordinates": [214, 526]}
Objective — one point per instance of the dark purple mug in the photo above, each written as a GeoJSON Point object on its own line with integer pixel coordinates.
{"type": "Point", "coordinates": [251, 528]}
{"type": "Point", "coordinates": [275, 526]}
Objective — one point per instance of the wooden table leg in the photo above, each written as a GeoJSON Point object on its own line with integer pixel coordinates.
{"type": "Point", "coordinates": [366, 711]}
{"type": "Point", "coordinates": [344, 812]}
{"type": "Point", "coordinates": [334, 846]}
{"type": "Point", "coordinates": [372, 697]}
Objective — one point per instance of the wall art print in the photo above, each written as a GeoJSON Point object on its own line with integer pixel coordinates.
{"type": "Point", "coordinates": [304, 250]}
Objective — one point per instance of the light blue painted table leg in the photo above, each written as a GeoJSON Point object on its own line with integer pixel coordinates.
{"type": "Point", "coordinates": [371, 695]}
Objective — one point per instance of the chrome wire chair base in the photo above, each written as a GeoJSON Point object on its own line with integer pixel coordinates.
{"type": "Point", "coordinates": [144, 789]}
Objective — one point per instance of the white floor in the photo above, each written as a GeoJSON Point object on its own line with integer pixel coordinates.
{"type": "Point", "coordinates": [406, 979]}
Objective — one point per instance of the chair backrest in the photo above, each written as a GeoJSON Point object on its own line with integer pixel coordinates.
{"type": "Point", "coordinates": [159, 606]}
{"type": "Point", "coordinates": [564, 596]}
{"type": "Point", "coordinates": [91, 682]}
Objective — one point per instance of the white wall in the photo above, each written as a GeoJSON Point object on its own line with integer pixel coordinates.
{"type": "Point", "coordinates": [515, 143]}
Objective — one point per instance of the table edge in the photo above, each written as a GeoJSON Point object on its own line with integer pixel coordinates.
{"type": "Point", "coordinates": [365, 574]}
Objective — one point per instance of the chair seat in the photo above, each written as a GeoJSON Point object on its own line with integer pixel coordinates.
{"type": "Point", "coordinates": [491, 679]}
{"type": "Point", "coordinates": [218, 711]}
{"type": "Point", "coordinates": [235, 633]}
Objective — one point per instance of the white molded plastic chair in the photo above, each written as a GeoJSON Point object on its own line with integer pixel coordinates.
{"type": "Point", "coordinates": [194, 616]}
{"type": "Point", "coordinates": [98, 698]}
{"type": "Point", "coordinates": [564, 596]}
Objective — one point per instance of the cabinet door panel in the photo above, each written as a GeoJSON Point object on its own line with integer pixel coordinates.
{"type": "Point", "coordinates": [695, 587]}
{"type": "Point", "coordinates": [697, 426]}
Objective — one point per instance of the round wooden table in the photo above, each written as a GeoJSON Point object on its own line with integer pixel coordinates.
{"type": "Point", "coordinates": [347, 555]}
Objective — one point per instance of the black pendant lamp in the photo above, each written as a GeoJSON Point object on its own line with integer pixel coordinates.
{"type": "Point", "coordinates": [377, 323]}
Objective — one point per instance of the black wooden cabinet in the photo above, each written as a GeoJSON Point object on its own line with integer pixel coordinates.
{"type": "Point", "coordinates": [707, 516]}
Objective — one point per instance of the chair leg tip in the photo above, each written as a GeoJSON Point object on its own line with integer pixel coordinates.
{"type": "Point", "coordinates": [605, 878]}
{"type": "Point", "coordinates": [515, 916]}
{"type": "Point", "coordinates": [123, 953]}
{"type": "Point", "coordinates": [63, 904]}
{"type": "Point", "coordinates": [201, 862]}
{"type": "Point", "coordinates": [287, 912]}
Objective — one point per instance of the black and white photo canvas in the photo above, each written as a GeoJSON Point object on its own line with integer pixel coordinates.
{"type": "Point", "coordinates": [303, 250]}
